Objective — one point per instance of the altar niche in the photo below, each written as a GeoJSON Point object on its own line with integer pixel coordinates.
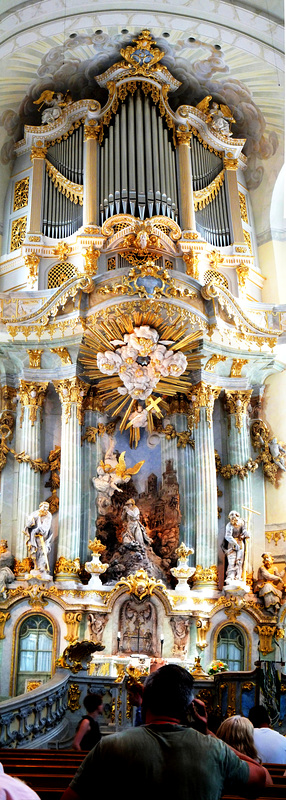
{"type": "Point", "coordinates": [138, 628]}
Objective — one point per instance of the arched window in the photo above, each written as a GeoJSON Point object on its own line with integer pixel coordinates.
{"type": "Point", "coordinates": [35, 649]}
{"type": "Point", "coordinates": [231, 647]}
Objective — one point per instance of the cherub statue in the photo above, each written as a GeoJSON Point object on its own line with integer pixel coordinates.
{"type": "Point", "coordinates": [221, 117]}
{"type": "Point", "coordinates": [55, 103]}
{"type": "Point", "coordinates": [268, 581]}
{"type": "Point", "coordinates": [277, 452]}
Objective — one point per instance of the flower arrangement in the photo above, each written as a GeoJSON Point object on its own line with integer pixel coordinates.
{"type": "Point", "coordinates": [217, 666]}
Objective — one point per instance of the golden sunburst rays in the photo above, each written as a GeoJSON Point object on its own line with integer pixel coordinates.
{"type": "Point", "coordinates": [108, 336]}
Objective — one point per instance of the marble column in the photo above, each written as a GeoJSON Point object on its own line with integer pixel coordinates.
{"type": "Point", "coordinates": [38, 158]}
{"type": "Point", "coordinates": [91, 456]}
{"type": "Point", "coordinates": [239, 452]}
{"type": "Point", "coordinates": [72, 393]}
{"type": "Point", "coordinates": [206, 519]}
{"type": "Point", "coordinates": [90, 186]}
{"type": "Point", "coordinates": [32, 397]}
{"type": "Point", "coordinates": [187, 212]}
{"type": "Point", "coordinates": [186, 480]}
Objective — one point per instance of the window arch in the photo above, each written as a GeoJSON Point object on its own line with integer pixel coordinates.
{"type": "Point", "coordinates": [35, 652]}
{"type": "Point", "coordinates": [230, 647]}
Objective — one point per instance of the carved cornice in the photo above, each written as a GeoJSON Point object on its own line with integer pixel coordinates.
{"type": "Point", "coordinates": [72, 391]}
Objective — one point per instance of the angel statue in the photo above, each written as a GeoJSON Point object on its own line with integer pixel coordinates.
{"type": "Point", "coordinates": [55, 103]}
{"type": "Point", "coordinates": [110, 473]}
{"type": "Point", "coordinates": [221, 117]}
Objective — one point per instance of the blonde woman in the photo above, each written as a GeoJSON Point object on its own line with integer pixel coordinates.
{"type": "Point", "coordinates": [238, 733]}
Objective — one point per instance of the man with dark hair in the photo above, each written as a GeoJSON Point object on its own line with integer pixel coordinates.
{"type": "Point", "coordinates": [164, 757]}
{"type": "Point", "coordinates": [270, 745]}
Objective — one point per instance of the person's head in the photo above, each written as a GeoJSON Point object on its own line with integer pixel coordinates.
{"type": "Point", "coordinates": [267, 559]}
{"type": "Point", "coordinates": [93, 702]}
{"type": "Point", "coordinates": [234, 517]}
{"type": "Point", "coordinates": [259, 717]}
{"type": "Point", "coordinates": [43, 509]}
{"type": "Point", "coordinates": [238, 733]}
{"type": "Point", "coordinates": [168, 693]}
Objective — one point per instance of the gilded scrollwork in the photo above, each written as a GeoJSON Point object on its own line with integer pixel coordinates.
{"type": "Point", "coordinates": [271, 452]}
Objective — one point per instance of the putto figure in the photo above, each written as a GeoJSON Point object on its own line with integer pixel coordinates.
{"type": "Point", "coordinates": [234, 547]}
{"type": "Point", "coordinates": [39, 540]}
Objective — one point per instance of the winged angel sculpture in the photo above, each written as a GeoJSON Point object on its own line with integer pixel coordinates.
{"type": "Point", "coordinates": [219, 117]}
{"type": "Point", "coordinates": [55, 103]}
{"type": "Point", "coordinates": [110, 473]}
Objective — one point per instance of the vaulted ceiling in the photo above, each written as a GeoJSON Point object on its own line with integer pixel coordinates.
{"type": "Point", "coordinates": [233, 50]}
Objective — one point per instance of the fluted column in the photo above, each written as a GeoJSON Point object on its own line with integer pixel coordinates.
{"type": "Point", "coordinates": [203, 397]}
{"type": "Point", "coordinates": [38, 158]}
{"type": "Point", "coordinates": [90, 181]}
{"type": "Point", "coordinates": [7, 419]}
{"type": "Point", "coordinates": [239, 452]}
{"type": "Point", "coordinates": [32, 397]}
{"type": "Point", "coordinates": [72, 393]}
{"type": "Point", "coordinates": [186, 480]}
{"type": "Point", "coordinates": [187, 212]}
{"type": "Point", "coordinates": [91, 456]}
{"type": "Point", "coordinates": [230, 166]}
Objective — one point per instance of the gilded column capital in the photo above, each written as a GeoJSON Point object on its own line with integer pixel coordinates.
{"type": "Point", "coordinates": [8, 398]}
{"type": "Point", "coordinates": [72, 390]}
{"type": "Point", "coordinates": [91, 130]}
{"type": "Point", "coordinates": [32, 395]}
{"type": "Point", "coordinates": [236, 403]}
{"type": "Point", "coordinates": [230, 163]}
{"type": "Point", "coordinates": [202, 395]}
{"type": "Point", "coordinates": [38, 152]}
{"type": "Point", "coordinates": [35, 358]}
{"type": "Point", "coordinates": [183, 137]}
{"type": "Point", "coordinates": [31, 262]}
{"type": "Point", "coordinates": [191, 260]}
{"type": "Point", "coordinates": [4, 615]}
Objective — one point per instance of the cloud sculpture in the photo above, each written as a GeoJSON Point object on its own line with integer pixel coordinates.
{"type": "Point", "coordinates": [62, 70]}
{"type": "Point", "coordinates": [141, 361]}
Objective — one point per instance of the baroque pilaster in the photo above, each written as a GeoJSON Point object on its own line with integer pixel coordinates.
{"type": "Point", "coordinates": [31, 396]}
{"type": "Point", "coordinates": [206, 521]}
{"type": "Point", "coordinates": [72, 393]}
{"type": "Point", "coordinates": [186, 181]}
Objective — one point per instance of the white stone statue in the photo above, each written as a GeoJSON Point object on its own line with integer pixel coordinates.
{"type": "Point", "coordinates": [134, 531]}
{"type": "Point", "coordinates": [39, 539]}
{"type": "Point", "coordinates": [110, 474]}
{"type": "Point", "coordinates": [221, 118]}
{"type": "Point", "coordinates": [55, 103]}
{"type": "Point", "coordinates": [277, 452]}
{"type": "Point", "coordinates": [234, 546]}
{"type": "Point", "coordinates": [6, 564]}
{"type": "Point", "coordinates": [268, 581]}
